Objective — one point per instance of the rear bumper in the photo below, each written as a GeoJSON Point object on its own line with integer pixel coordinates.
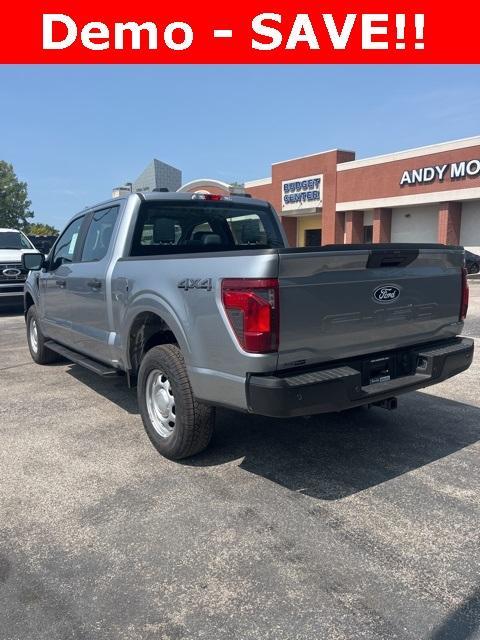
{"type": "Point", "coordinates": [340, 387]}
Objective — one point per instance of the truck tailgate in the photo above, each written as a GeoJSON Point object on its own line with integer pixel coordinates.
{"type": "Point", "coordinates": [339, 302]}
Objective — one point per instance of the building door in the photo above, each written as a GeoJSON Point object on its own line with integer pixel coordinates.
{"type": "Point", "coordinates": [313, 237]}
{"type": "Point", "coordinates": [368, 234]}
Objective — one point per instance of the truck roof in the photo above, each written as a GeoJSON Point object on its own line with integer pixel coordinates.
{"type": "Point", "coordinates": [176, 196]}
{"type": "Point", "coordinates": [187, 196]}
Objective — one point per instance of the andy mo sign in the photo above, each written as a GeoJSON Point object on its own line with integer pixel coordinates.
{"type": "Point", "coordinates": [302, 193]}
{"type": "Point", "coordinates": [438, 172]}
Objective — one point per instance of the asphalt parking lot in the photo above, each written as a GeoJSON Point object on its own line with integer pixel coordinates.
{"type": "Point", "coordinates": [361, 525]}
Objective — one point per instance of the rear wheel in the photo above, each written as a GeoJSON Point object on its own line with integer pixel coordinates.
{"type": "Point", "coordinates": [36, 341]}
{"type": "Point", "coordinates": [177, 424]}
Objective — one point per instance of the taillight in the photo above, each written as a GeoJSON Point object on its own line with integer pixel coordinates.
{"type": "Point", "coordinates": [252, 310]}
{"type": "Point", "coordinates": [465, 295]}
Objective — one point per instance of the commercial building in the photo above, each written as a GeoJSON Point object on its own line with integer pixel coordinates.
{"type": "Point", "coordinates": [429, 194]}
{"type": "Point", "coordinates": [156, 175]}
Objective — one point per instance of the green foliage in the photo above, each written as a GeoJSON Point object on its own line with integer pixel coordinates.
{"type": "Point", "coordinates": [14, 202]}
{"type": "Point", "coordinates": [40, 229]}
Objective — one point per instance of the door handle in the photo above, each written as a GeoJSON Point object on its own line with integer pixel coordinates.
{"type": "Point", "coordinates": [61, 283]}
{"type": "Point", "coordinates": [94, 284]}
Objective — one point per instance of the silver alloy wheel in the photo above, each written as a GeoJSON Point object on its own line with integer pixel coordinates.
{"type": "Point", "coordinates": [160, 403]}
{"type": "Point", "coordinates": [34, 335]}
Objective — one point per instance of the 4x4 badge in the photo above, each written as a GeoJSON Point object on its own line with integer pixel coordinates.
{"type": "Point", "coordinates": [198, 283]}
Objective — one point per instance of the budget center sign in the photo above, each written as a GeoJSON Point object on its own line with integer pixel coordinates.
{"type": "Point", "coordinates": [302, 193]}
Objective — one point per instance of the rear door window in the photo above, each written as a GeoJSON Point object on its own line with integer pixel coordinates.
{"type": "Point", "coordinates": [99, 234]}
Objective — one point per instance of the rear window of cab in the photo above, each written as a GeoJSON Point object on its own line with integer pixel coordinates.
{"type": "Point", "coordinates": [165, 227]}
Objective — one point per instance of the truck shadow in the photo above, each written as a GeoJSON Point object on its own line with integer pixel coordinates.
{"type": "Point", "coordinates": [333, 456]}
{"type": "Point", "coordinates": [330, 456]}
{"type": "Point", "coordinates": [463, 622]}
{"type": "Point", "coordinates": [114, 389]}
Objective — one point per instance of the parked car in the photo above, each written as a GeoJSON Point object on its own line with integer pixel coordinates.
{"type": "Point", "coordinates": [198, 300]}
{"type": "Point", "coordinates": [13, 244]}
{"type": "Point", "coordinates": [472, 262]}
{"type": "Point", "coordinates": [42, 243]}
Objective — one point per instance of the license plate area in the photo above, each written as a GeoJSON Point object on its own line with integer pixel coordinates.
{"type": "Point", "coordinates": [378, 370]}
{"type": "Point", "coordinates": [387, 367]}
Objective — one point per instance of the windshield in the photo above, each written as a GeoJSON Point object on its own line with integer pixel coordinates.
{"type": "Point", "coordinates": [170, 227]}
{"type": "Point", "coordinates": [13, 240]}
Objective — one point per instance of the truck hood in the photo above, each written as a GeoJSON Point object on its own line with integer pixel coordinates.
{"type": "Point", "coordinates": [14, 255]}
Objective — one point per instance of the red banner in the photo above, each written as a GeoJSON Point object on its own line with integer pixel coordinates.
{"type": "Point", "coordinates": [260, 31]}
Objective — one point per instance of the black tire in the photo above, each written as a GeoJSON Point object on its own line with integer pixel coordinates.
{"type": "Point", "coordinates": [475, 268]}
{"type": "Point", "coordinates": [40, 353]}
{"type": "Point", "coordinates": [194, 421]}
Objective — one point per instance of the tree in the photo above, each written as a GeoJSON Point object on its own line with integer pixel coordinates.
{"type": "Point", "coordinates": [14, 202]}
{"type": "Point", "coordinates": [41, 229]}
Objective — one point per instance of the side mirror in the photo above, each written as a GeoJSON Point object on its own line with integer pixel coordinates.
{"type": "Point", "coordinates": [33, 261]}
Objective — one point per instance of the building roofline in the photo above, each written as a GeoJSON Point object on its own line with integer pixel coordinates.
{"type": "Point", "coordinates": [462, 143]}
{"type": "Point", "coordinates": [257, 183]}
{"type": "Point", "coordinates": [206, 182]}
{"type": "Point", "coordinates": [311, 155]}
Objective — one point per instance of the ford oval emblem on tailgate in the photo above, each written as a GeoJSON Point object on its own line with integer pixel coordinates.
{"type": "Point", "coordinates": [386, 293]}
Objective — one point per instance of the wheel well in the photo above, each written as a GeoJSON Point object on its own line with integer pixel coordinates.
{"type": "Point", "coordinates": [148, 330]}
{"type": "Point", "coordinates": [28, 302]}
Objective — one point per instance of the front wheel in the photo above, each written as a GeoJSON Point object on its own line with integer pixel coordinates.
{"type": "Point", "coordinates": [176, 423]}
{"type": "Point", "coordinates": [36, 340]}
{"type": "Point", "coordinates": [475, 267]}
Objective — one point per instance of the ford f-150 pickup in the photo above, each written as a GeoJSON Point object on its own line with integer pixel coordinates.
{"type": "Point", "coordinates": [197, 299]}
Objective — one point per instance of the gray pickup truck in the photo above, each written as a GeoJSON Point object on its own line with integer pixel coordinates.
{"type": "Point", "coordinates": [197, 299]}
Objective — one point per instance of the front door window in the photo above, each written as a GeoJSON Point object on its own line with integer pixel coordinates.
{"type": "Point", "coordinates": [65, 247]}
